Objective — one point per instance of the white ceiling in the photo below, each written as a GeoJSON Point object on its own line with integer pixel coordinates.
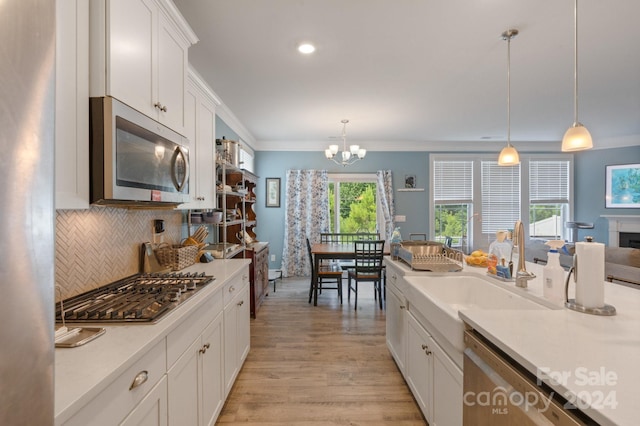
{"type": "Point", "coordinates": [420, 74]}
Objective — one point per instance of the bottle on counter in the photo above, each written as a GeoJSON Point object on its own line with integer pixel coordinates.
{"type": "Point", "coordinates": [553, 274]}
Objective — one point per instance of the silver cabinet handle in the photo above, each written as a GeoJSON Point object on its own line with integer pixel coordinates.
{"type": "Point", "coordinates": [403, 307]}
{"type": "Point", "coordinates": [232, 289]}
{"type": "Point", "coordinates": [240, 303]}
{"type": "Point", "coordinates": [140, 378]}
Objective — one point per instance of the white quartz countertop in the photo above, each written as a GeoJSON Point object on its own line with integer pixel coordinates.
{"type": "Point", "coordinates": [592, 361]}
{"type": "Point", "coordinates": [82, 373]}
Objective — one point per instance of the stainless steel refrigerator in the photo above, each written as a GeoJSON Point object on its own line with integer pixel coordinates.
{"type": "Point", "coordinates": [27, 68]}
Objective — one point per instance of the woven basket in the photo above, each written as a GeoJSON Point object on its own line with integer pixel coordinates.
{"type": "Point", "coordinates": [177, 257]}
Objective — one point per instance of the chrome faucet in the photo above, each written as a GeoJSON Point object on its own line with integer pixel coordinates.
{"type": "Point", "coordinates": [522, 276]}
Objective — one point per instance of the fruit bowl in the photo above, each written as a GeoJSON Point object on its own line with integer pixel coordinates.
{"type": "Point", "coordinates": [478, 258]}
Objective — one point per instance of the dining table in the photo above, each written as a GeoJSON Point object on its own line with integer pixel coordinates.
{"type": "Point", "coordinates": [328, 251]}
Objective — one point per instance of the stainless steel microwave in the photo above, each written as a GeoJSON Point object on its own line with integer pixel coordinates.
{"type": "Point", "coordinates": [134, 160]}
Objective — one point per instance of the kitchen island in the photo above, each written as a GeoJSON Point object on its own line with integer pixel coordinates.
{"type": "Point", "coordinates": [98, 380]}
{"type": "Point", "coordinates": [593, 358]}
{"type": "Point", "coordinates": [591, 361]}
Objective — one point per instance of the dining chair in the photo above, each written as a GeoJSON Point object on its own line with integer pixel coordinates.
{"type": "Point", "coordinates": [368, 267]}
{"type": "Point", "coordinates": [327, 273]}
{"type": "Point", "coordinates": [347, 238]}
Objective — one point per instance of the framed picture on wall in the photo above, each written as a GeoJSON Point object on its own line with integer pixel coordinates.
{"type": "Point", "coordinates": [622, 186]}
{"type": "Point", "coordinates": [273, 192]}
{"type": "Point", "coordinates": [410, 181]}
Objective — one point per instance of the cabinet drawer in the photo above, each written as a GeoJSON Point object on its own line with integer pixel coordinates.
{"type": "Point", "coordinates": [233, 287]}
{"type": "Point", "coordinates": [182, 336]}
{"type": "Point", "coordinates": [115, 402]}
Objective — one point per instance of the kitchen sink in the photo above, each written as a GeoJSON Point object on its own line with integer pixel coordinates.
{"type": "Point", "coordinates": [439, 298]}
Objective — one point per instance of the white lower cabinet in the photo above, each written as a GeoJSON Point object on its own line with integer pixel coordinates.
{"type": "Point", "coordinates": [236, 329]}
{"type": "Point", "coordinates": [447, 388]}
{"type": "Point", "coordinates": [434, 379]}
{"type": "Point", "coordinates": [195, 380]}
{"type": "Point", "coordinates": [396, 322]}
{"type": "Point", "coordinates": [419, 366]}
{"type": "Point", "coordinates": [134, 394]}
{"type": "Point", "coordinates": [152, 410]}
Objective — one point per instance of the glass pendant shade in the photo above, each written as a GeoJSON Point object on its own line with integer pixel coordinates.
{"type": "Point", "coordinates": [508, 156]}
{"type": "Point", "coordinates": [576, 138]}
{"type": "Point", "coordinates": [345, 158]}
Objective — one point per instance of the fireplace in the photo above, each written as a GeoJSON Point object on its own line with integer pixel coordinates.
{"type": "Point", "coordinates": [624, 230]}
{"type": "Point", "coordinates": [629, 239]}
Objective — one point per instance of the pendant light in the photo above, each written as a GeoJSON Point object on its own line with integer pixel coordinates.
{"type": "Point", "coordinates": [577, 137]}
{"type": "Point", "coordinates": [509, 156]}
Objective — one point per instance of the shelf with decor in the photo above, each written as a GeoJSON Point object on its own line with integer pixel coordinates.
{"type": "Point", "coordinates": [236, 199]}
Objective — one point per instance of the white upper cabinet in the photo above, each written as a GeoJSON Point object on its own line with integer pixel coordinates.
{"type": "Point", "coordinates": [72, 105]}
{"type": "Point", "coordinates": [139, 56]}
{"type": "Point", "coordinates": [200, 129]}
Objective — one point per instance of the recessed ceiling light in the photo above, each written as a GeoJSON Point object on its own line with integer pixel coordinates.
{"type": "Point", "coordinates": [306, 48]}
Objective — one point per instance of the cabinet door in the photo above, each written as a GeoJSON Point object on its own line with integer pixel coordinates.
{"type": "Point", "coordinates": [447, 385]}
{"type": "Point", "coordinates": [396, 326]}
{"type": "Point", "coordinates": [183, 387]}
{"type": "Point", "coordinates": [236, 336]}
{"type": "Point", "coordinates": [244, 331]}
{"type": "Point", "coordinates": [205, 158]}
{"type": "Point", "coordinates": [132, 63]}
{"type": "Point", "coordinates": [72, 112]}
{"type": "Point", "coordinates": [152, 410]}
{"type": "Point", "coordinates": [212, 372]}
{"type": "Point", "coordinates": [230, 346]}
{"type": "Point", "coordinates": [419, 366]}
{"type": "Point", "coordinates": [171, 75]}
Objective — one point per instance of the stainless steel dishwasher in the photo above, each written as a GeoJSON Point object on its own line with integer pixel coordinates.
{"type": "Point", "coordinates": [499, 392]}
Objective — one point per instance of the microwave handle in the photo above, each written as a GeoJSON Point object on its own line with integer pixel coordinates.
{"type": "Point", "coordinates": [179, 181]}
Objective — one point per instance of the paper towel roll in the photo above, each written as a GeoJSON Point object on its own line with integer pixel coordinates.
{"type": "Point", "coordinates": [590, 274]}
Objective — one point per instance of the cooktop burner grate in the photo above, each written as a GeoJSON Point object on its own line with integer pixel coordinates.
{"type": "Point", "coordinates": [138, 298]}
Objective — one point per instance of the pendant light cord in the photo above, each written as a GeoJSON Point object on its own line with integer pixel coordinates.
{"type": "Point", "coordinates": [509, 90]}
{"type": "Point", "coordinates": [575, 62]}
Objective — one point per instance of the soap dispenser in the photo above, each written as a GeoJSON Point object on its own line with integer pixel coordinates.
{"type": "Point", "coordinates": [553, 274]}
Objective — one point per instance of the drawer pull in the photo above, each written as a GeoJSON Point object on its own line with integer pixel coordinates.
{"type": "Point", "coordinates": [426, 350]}
{"type": "Point", "coordinates": [232, 289]}
{"type": "Point", "coordinates": [204, 348]}
{"type": "Point", "coordinates": [240, 303]}
{"type": "Point", "coordinates": [140, 378]}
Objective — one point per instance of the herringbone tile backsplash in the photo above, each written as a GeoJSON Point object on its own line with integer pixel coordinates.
{"type": "Point", "coordinates": [101, 245]}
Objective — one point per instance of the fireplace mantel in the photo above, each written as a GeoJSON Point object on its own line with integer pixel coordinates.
{"type": "Point", "coordinates": [621, 223]}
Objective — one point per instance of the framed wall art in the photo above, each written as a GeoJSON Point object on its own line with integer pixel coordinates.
{"type": "Point", "coordinates": [273, 192]}
{"type": "Point", "coordinates": [622, 186]}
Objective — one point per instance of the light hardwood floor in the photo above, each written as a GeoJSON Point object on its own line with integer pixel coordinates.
{"type": "Point", "coordinates": [319, 365]}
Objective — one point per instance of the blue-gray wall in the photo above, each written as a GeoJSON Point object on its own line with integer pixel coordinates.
{"type": "Point", "coordinates": [589, 168]}
{"type": "Point", "coordinates": [588, 189]}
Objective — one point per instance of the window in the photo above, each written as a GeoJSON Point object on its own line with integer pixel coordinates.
{"type": "Point", "coordinates": [353, 204]}
{"type": "Point", "coordinates": [549, 198]}
{"type": "Point", "coordinates": [538, 192]}
{"type": "Point", "coordinates": [453, 196]}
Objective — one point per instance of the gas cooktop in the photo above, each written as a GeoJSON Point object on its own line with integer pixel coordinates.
{"type": "Point", "coordinates": [142, 298]}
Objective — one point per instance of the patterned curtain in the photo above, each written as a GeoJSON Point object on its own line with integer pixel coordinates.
{"type": "Point", "coordinates": [385, 195]}
{"type": "Point", "coordinates": [306, 216]}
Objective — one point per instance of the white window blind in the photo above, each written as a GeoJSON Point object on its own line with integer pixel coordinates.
{"type": "Point", "coordinates": [453, 181]}
{"type": "Point", "coordinates": [500, 196]}
{"type": "Point", "coordinates": [549, 181]}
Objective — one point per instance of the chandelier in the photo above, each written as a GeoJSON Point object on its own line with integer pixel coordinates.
{"type": "Point", "coordinates": [345, 158]}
